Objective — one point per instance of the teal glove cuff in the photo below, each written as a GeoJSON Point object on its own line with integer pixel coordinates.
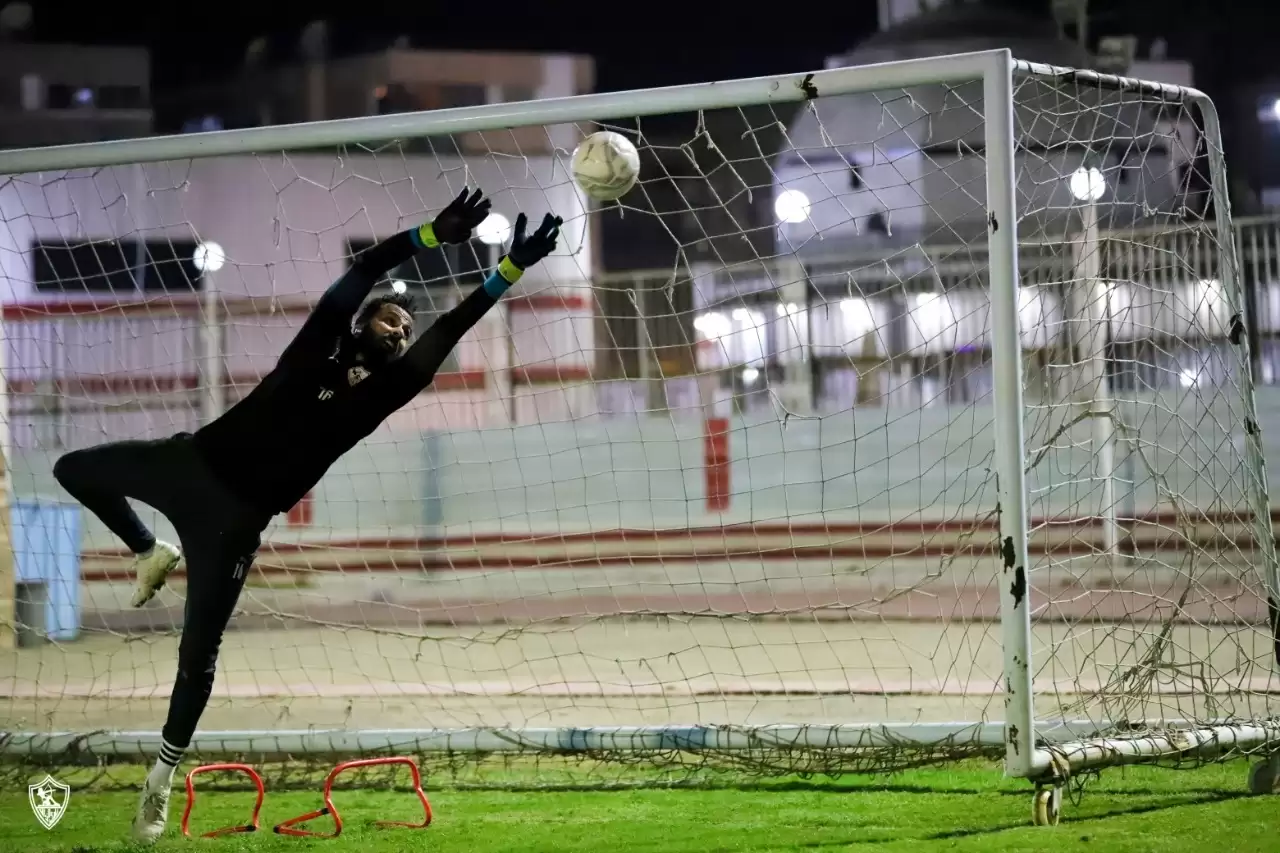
{"type": "Point", "coordinates": [502, 278]}
{"type": "Point", "coordinates": [495, 285]}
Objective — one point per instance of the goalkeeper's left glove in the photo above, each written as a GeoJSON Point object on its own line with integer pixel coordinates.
{"type": "Point", "coordinates": [527, 251]}
{"type": "Point", "coordinates": [524, 252]}
{"type": "Point", "coordinates": [455, 223]}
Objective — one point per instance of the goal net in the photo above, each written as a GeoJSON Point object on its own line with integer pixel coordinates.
{"type": "Point", "coordinates": [748, 476]}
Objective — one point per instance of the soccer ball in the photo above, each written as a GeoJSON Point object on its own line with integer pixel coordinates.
{"type": "Point", "coordinates": [606, 165]}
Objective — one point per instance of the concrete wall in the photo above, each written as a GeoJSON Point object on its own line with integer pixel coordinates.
{"type": "Point", "coordinates": [870, 467]}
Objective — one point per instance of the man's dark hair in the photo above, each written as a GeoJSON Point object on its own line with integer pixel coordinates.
{"type": "Point", "coordinates": [400, 300]}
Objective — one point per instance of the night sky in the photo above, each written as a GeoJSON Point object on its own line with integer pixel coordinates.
{"type": "Point", "coordinates": [636, 44]}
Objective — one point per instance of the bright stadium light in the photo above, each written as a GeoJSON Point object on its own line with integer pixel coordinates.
{"type": "Point", "coordinates": [1087, 184]}
{"type": "Point", "coordinates": [398, 286]}
{"type": "Point", "coordinates": [495, 230]}
{"type": "Point", "coordinates": [791, 207]}
{"type": "Point", "coordinates": [209, 257]}
{"type": "Point", "coordinates": [713, 325]}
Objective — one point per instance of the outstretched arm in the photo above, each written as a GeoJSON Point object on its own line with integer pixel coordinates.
{"type": "Point", "coordinates": [419, 365]}
{"type": "Point", "coordinates": [334, 311]}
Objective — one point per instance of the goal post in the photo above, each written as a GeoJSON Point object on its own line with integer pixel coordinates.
{"type": "Point", "coordinates": [1219, 310]}
{"type": "Point", "coordinates": [1010, 441]}
{"type": "Point", "coordinates": [956, 454]}
{"type": "Point", "coordinates": [1111, 274]}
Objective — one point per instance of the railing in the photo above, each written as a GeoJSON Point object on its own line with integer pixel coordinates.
{"type": "Point", "coordinates": [917, 321]}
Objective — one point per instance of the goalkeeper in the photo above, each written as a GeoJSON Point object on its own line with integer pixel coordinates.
{"type": "Point", "coordinates": [334, 384]}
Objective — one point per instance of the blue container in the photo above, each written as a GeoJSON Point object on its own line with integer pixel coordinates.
{"type": "Point", "coordinates": [46, 551]}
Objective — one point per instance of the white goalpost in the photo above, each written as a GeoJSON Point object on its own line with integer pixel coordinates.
{"type": "Point", "coordinates": [959, 456]}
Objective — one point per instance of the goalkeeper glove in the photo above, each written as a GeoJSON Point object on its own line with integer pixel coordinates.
{"type": "Point", "coordinates": [524, 252]}
{"type": "Point", "coordinates": [455, 223]}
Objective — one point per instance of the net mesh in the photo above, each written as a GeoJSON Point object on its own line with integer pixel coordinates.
{"type": "Point", "coordinates": [753, 488]}
{"type": "Point", "coordinates": [1140, 421]}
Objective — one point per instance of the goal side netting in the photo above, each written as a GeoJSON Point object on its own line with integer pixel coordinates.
{"type": "Point", "coordinates": [900, 414]}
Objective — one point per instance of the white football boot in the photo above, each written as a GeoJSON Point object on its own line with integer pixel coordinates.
{"type": "Point", "coordinates": [153, 811]}
{"type": "Point", "coordinates": [151, 569]}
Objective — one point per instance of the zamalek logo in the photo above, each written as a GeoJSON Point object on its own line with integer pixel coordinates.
{"type": "Point", "coordinates": [49, 799]}
{"type": "Point", "coordinates": [356, 374]}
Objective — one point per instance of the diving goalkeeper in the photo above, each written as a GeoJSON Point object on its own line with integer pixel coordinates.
{"type": "Point", "coordinates": [348, 368]}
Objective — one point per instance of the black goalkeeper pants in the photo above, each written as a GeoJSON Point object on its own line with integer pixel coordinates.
{"type": "Point", "coordinates": [218, 533]}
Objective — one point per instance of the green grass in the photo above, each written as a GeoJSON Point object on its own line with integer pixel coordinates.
{"type": "Point", "coordinates": [970, 808]}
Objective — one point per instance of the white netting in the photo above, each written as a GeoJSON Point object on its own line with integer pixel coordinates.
{"type": "Point", "coordinates": [756, 487]}
{"type": "Point", "coordinates": [1140, 424]}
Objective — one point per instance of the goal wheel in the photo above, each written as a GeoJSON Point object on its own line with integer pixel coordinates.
{"type": "Point", "coordinates": [251, 826]}
{"type": "Point", "coordinates": [290, 826]}
{"type": "Point", "coordinates": [1264, 777]}
{"type": "Point", "coordinates": [1046, 805]}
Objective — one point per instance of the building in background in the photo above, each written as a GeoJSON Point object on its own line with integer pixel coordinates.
{"type": "Point", "coordinates": [283, 228]}
{"type": "Point", "coordinates": [873, 284]}
{"type": "Point", "coordinates": [306, 81]}
{"type": "Point", "coordinates": [173, 287]}
{"type": "Point", "coordinates": [60, 94]}
{"type": "Point", "coordinates": [871, 174]}
{"type": "Point", "coordinates": [880, 170]}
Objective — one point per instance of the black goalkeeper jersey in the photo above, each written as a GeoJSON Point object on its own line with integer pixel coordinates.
{"type": "Point", "coordinates": [276, 443]}
{"type": "Point", "coordinates": [318, 402]}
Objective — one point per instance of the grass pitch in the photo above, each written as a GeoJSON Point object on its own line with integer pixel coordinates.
{"type": "Point", "coordinates": [966, 808]}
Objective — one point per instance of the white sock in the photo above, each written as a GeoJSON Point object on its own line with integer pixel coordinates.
{"type": "Point", "coordinates": [166, 764]}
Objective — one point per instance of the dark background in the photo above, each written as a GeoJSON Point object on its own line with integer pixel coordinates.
{"type": "Point", "coordinates": [635, 44]}
{"type": "Point", "coordinates": [1232, 43]}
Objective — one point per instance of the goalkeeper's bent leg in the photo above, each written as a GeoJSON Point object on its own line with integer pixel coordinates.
{"type": "Point", "coordinates": [102, 477]}
{"type": "Point", "coordinates": [155, 472]}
